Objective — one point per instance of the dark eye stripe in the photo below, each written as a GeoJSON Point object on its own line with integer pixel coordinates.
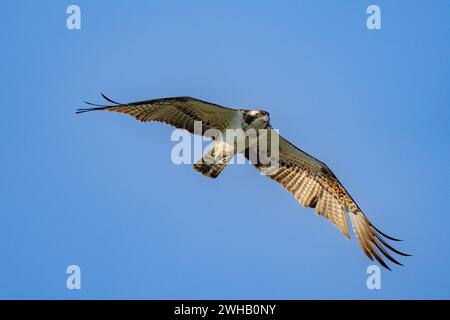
{"type": "Point", "coordinates": [249, 118]}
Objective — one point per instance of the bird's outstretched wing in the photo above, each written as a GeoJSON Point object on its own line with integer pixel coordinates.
{"type": "Point", "coordinates": [315, 186]}
{"type": "Point", "coordinates": [180, 112]}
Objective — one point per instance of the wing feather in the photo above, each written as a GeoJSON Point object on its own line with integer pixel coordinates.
{"type": "Point", "coordinates": [180, 112]}
{"type": "Point", "coordinates": [314, 185]}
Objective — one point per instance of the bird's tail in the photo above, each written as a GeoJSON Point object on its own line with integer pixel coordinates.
{"type": "Point", "coordinates": [215, 160]}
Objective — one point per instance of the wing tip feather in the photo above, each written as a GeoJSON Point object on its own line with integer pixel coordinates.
{"type": "Point", "coordinates": [367, 235]}
{"type": "Point", "coordinates": [97, 106]}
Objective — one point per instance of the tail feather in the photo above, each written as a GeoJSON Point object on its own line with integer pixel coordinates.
{"type": "Point", "coordinates": [215, 160]}
{"type": "Point", "coordinates": [209, 170]}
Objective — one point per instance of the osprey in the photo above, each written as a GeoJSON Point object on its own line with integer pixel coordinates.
{"type": "Point", "coordinates": [310, 181]}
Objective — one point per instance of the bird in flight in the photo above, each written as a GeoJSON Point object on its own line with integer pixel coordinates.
{"type": "Point", "coordinates": [310, 181]}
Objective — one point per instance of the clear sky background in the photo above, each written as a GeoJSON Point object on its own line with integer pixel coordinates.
{"type": "Point", "coordinates": [99, 190]}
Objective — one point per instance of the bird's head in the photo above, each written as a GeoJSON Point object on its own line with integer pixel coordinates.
{"type": "Point", "coordinates": [256, 119]}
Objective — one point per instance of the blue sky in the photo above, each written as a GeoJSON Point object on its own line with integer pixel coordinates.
{"type": "Point", "coordinates": [100, 191]}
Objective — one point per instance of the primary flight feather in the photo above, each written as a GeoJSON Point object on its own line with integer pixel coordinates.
{"type": "Point", "coordinates": [311, 182]}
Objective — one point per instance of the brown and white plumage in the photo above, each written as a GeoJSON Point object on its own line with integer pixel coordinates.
{"type": "Point", "coordinates": [314, 185]}
{"type": "Point", "coordinates": [311, 182]}
{"type": "Point", "coordinates": [180, 112]}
